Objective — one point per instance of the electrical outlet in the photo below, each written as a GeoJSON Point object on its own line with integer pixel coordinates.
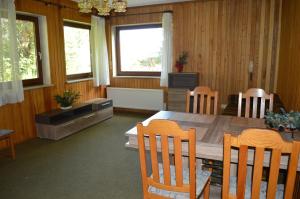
{"type": "Point", "coordinates": [223, 106]}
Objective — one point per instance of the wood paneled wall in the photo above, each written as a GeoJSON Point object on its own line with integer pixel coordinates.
{"type": "Point", "coordinates": [20, 117]}
{"type": "Point", "coordinates": [289, 59]}
{"type": "Point", "coordinates": [222, 37]}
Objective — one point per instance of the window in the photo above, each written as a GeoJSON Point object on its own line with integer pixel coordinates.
{"type": "Point", "coordinates": [28, 47]}
{"type": "Point", "coordinates": [77, 50]}
{"type": "Point", "coordinates": [139, 50]}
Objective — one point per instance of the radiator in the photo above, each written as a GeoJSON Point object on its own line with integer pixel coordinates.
{"type": "Point", "coordinates": [133, 98]}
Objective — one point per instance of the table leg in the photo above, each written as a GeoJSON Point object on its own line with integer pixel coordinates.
{"type": "Point", "coordinates": [12, 147]}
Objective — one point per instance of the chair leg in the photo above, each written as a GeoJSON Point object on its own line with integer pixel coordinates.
{"type": "Point", "coordinates": [206, 190]}
{"type": "Point", "coordinates": [12, 147]}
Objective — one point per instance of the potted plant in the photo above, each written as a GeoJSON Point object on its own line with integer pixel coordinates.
{"type": "Point", "coordinates": [283, 122]}
{"type": "Point", "coordinates": [67, 99]}
{"type": "Point", "coordinates": [182, 60]}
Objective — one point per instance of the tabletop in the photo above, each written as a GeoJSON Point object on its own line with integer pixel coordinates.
{"type": "Point", "coordinates": [210, 130]}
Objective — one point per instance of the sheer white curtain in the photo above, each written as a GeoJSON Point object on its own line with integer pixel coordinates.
{"type": "Point", "coordinates": [167, 53]}
{"type": "Point", "coordinates": [11, 88]}
{"type": "Point", "coordinates": [99, 52]}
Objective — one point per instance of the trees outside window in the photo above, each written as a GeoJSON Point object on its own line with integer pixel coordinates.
{"type": "Point", "coordinates": [28, 49]}
{"type": "Point", "coordinates": [139, 50]}
{"type": "Point", "coordinates": [77, 50]}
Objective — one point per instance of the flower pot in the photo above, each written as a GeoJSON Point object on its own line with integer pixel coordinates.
{"type": "Point", "coordinates": [65, 108]}
{"type": "Point", "coordinates": [289, 134]}
{"type": "Point", "coordinates": [179, 67]}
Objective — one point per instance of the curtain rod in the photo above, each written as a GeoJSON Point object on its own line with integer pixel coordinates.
{"type": "Point", "coordinates": [145, 13]}
{"type": "Point", "coordinates": [47, 3]}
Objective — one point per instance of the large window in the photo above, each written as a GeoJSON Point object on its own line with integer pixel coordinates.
{"type": "Point", "coordinates": [28, 47]}
{"type": "Point", "coordinates": [139, 50]}
{"type": "Point", "coordinates": [77, 50]}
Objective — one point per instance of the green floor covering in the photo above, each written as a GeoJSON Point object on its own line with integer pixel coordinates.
{"type": "Point", "coordinates": [90, 164]}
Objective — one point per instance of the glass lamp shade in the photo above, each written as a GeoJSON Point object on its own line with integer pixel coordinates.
{"type": "Point", "coordinates": [103, 8]}
{"type": "Point", "coordinates": [120, 6]}
{"type": "Point", "coordinates": [104, 11]}
{"type": "Point", "coordinates": [85, 6]}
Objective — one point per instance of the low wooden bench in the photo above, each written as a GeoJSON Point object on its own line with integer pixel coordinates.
{"type": "Point", "coordinates": [6, 135]}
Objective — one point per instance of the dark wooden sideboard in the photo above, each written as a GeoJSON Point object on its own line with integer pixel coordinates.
{"type": "Point", "coordinates": [57, 124]}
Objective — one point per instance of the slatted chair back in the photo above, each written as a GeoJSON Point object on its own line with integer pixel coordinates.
{"type": "Point", "coordinates": [255, 94]}
{"type": "Point", "coordinates": [165, 131]}
{"type": "Point", "coordinates": [205, 101]}
{"type": "Point", "coordinates": [260, 140]}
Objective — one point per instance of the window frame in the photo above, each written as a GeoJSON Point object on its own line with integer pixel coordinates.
{"type": "Point", "coordinates": [118, 50]}
{"type": "Point", "coordinates": [80, 75]}
{"type": "Point", "coordinates": [35, 20]}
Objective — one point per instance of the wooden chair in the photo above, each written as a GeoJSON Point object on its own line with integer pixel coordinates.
{"type": "Point", "coordinates": [170, 181]}
{"type": "Point", "coordinates": [6, 135]}
{"type": "Point", "coordinates": [255, 93]}
{"type": "Point", "coordinates": [202, 96]}
{"type": "Point", "coordinates": [260, 140]}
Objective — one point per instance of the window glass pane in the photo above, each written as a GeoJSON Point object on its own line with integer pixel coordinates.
{"type": "Point", "coordinates": [77, 50]}
{"type": "Point", "coordinates": [141, 49]}
{"type": "Point", "coordinates": [27, 51]}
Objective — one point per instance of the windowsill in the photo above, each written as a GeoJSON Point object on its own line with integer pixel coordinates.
{"type": "Point", "coordinates": [79, 80]}
{"type": "Point", "coordinates": [138, 77]}
{"type": "Point", "coordinates": [37, 87]}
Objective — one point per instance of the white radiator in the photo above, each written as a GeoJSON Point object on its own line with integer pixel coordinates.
{"type": "Point", "coordinates": [133, 98]}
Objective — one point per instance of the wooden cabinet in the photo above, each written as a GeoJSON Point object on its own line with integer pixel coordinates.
{"type": "Point", "coordinates": [177, 99]}
{"type": "Point", "coordinates": [179, 84]}
{"type": "Point", "coordinates": [58, 124]}
{"type": "Point", "coordinates": [183, 80]}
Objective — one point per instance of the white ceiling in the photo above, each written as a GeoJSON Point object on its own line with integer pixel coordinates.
{"type": "Point", "coordinates": [133, 3]}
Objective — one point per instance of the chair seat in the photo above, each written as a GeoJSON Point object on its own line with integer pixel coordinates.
{"type": "Point", "coordinates": [201, 180]}
{"type": "Point", "coordinates": [263, 188]}
{"type": "Point", "coordinates": [5, 132]}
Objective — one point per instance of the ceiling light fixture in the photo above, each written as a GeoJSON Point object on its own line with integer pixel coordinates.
{"type": "Point", "coordinates": [103, 6]}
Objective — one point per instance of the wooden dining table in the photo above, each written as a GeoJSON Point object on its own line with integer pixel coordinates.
{"type": "Point", "coordinates": [210, 130]}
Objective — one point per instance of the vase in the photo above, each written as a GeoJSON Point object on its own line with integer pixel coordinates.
{"type": "Point", "coordinates": [65, 108]}
{"type": "Point", "coordinates": [179, 67]}
{"type": "Point", "coordinates": [287, 133]}
{"type": "Point", "coordinates": [291, 132]}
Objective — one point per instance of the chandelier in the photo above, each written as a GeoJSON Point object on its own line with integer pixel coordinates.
{"type": "Point", "coordinates": [103, 6]}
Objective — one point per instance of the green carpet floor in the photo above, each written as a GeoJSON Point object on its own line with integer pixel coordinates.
{"type": "Point", "coordinates": [90, 164]}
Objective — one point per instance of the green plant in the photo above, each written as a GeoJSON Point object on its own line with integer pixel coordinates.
{"type": "Point", "coordinates": [283, 120]}
{"type": "Point", "coordinates": [182, 60]}
{"type": "Point", "coordinates": [67, 98]}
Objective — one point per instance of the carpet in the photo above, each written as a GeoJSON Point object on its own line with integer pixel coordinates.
{"type": "Point", "coordinates": [92, 163]}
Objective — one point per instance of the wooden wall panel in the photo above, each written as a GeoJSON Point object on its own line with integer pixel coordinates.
{"type": "Point", "coordinates": [222, 37]}
{"type": "Point", "coordinates": [20, 117]}
{"type": "Point", "coordinates": [289, 59]}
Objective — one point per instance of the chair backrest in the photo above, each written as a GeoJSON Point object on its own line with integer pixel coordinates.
{"type": "Point", "coordinates": [261, 140]}
{"type": "Point", "coordinates": [164, 131]}
{"type": "Point", "coordinates": [255, 94]}
{"type": "Point", "coordinates": [203, 97]}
